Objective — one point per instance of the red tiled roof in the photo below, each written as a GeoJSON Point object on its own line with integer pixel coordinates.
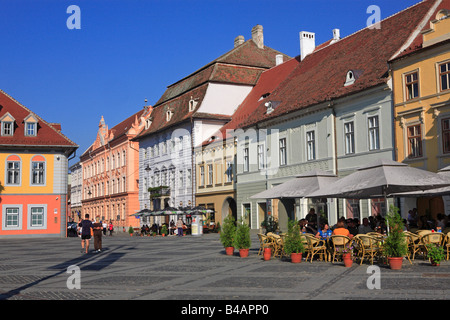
{"type": "Point", "coordinates": [417, 42]}
{"type": "Point", "coordinates": [241, 65]}
{"type": "Point", "coordinates": [47, 133]}
{"type": "Point", "coordinates": [321, 75]}
{"type": "Point", "coordinates": [268, 81]}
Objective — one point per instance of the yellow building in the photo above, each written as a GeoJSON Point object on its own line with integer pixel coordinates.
{"type": "Point", "coordinates": [215, 188]}
{"type": "Point", "coordinates": [421, 85]}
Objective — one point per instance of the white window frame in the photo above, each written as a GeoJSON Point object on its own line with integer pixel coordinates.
{"type": "Point", "coordinates": [5, 214]}
{"type": "Point", "coordinates": [44, 213]}
{"type": "Point", "coordinates": [349, 137]}
{"type": "Point", "coordinates": [311, 145]}
{"type": "Point", "coordinates": [12, 170]}
{"type": "Point", "coordinates": [7, 126]}
{"type": "Point", "coordinates": [261, 157]}
{"type": "Point", "coordinates": [40, 171]}
{"type": "Point", "coordinates": [30, 132]}
{"type": "Point", "coordinates": [371, 130]}
{"type": "Point", "coordinates": [282, 147]}
{"type": "Point", "coordinates": [246, 159]}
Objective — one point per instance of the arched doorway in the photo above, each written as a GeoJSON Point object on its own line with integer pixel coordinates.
{"type": "Point", "coordinates": [229, 207]}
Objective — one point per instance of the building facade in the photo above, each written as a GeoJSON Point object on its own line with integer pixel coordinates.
{"type": "Point", "coordinates": [422, 109]}
{"type": "Point", "coordinates": [333, 112]}
{"type": "Point", "coordinates": [34, 154]}
{"type": "Point", "coordinates": [76, 192]}
{"type": "Point", "coordinates": [110, 172]}
{"type": "Point", "coordinates": [189, 113]}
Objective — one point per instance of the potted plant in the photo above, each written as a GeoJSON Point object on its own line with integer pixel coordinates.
{"type": "Point", "coordinates": [293, 243]}
{"type": "Point", "coordinates": [347, 254]}
{"type": "Point", "coordinates": [227, 234]}
{"type": "Point", "coordinates": [242, 239]}
{"type": "Point", "coordinates": [269, 224]}
{"type": "Point", "coordinates": [131, 231]}
{"type": "Point", "coordinates": [435, 253]}
{"type": "Point", "coordinates": [395, 246]}
{"type": "Point", "coordinates": [164, 230]}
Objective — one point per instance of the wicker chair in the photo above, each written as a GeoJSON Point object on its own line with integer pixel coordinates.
{"type": "Point", "coordinates": [264, 242]}
{"type": "Point", "coordinates": [316, 246]}
{"type": "Point", "coordinates": [337, 244]}
{"type": "Point", "coordinates": [414, 245]}
{"type": "Point", "coordinates": [447, 244]}
{"type": "Point", "coordinates": [368, 247]}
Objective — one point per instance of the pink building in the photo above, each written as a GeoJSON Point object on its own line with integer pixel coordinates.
{"type": "Point", "coordinates": [110, 172]}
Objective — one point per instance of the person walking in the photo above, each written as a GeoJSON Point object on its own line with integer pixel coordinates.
{"type": "Point", "coordinates": [98, 228]}
{"type": "Point", "coordinates": [86, 229]}
{"type": "Point", "coordinates": [104, 226]}
{"type": "Point", "coordinates": [111, 228]}
{"type": "Point", "coordinates": [180, 227]}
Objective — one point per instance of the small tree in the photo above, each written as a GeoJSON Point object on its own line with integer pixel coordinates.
{"type": "Point", "coordinates": [395, 243]}
{"type": "Point", "coordinates": [242, 239]}
{"type": "Point", "coordinates": [130, 230]}
{"type": "Point", "coordinates": [293, 242]}
{"type": "Point", "coordinates": [228, 231]}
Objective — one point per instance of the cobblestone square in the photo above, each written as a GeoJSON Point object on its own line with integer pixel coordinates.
{"type": "Point", "coordinates": [196, 269]}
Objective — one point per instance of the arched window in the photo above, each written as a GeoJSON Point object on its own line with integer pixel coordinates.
{"type": "Point", "coordinates": [38, 170]}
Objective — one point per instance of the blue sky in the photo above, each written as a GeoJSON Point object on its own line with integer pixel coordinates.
{"type": "Point", "coordinates": [130, 50]}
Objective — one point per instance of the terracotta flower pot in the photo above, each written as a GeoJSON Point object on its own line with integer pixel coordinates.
{"type": "Point", "coordinates": [347, 258]}
{"type": "Point", "coordinates": [267, 253]}
{"type": "Point", "coordinates": [296, 257]}
{"type": "Point", "coordinates": [229, 251]}
{"type": "Point", "coordinates": [243, 253]}
{"type": "Point", "coordinates": [435, 264]}
{"type": "Point", "coordinates": [395, 263]}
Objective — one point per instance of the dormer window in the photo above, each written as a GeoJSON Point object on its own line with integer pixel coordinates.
{"type": "Point", "coordinates": [30, 125]}
{"type": "Point", "coordinates": [7, 124]}
{"type": "Point", "coordinates": [169, 115]}
{"type": "Point", "coordinates": [271, 105]}
{"type": "Point", "coordinates": [148, 122]}
{"type": "Point", "coordinates": [30, 129]}
{"type": "Point", "coordinates": [265, 95]}
{"type": "Point", "coordinates": [352, 76]}
{"type": "Point", "coordinates": [350, 79]}
{"type": "Point", "coordinates": [7, 128]}
{"type": "Point", "coordinates": [192, 104]}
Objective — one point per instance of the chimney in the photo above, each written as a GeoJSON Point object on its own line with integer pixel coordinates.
{"type": "Point", "coordinates": [278, 59]}
{"type": "Point", "coordinates": [238, 41]}
{"type": "Point", "coordinates": [57, 126]}
{"type": "Point", "coordinates": [257, 36]}
{"type": "Point", "coordinates": [307, 43]}
{"type": "Point", "coordinates": [336, 34]}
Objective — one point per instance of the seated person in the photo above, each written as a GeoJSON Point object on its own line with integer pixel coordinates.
{"type": "Point", "coordinates": [365, 227]}
{"type": "Point", "coordinates": [324, 232]}
{"type": "Point", "coordinates": [340, 230]}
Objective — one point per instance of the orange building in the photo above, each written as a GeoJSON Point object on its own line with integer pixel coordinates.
{"type": "Point", "coordinates": [421, 85]}
{"type": "Point", "coordinates": [34, 155]}
{"type": "Point", "coordinates": [110, 172]}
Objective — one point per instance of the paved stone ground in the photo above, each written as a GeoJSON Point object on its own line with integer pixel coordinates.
{"type": "Point", "coordinates": [195, 268]}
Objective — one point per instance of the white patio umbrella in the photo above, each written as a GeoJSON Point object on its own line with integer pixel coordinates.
{"type": "Point", "coordinates": [382, 178]}
{"type": "Point", "coordinates": [299, 186]}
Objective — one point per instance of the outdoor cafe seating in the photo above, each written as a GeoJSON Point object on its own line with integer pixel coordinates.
{"type": "Point", "coordinates": [365, 247]}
